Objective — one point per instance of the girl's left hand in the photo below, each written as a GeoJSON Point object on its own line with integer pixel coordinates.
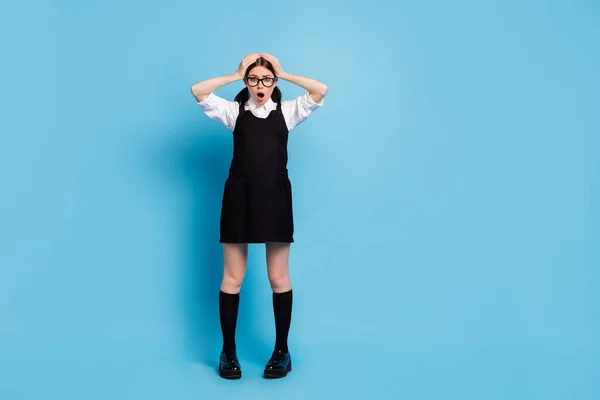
{"type": "Point", "coordinates": [276, 66]}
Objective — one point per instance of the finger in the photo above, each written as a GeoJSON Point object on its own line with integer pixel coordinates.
{"type": "Point", "coordinates": [246, 64]}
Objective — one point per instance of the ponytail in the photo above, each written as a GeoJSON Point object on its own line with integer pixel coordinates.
{"type": "Point", "coordinates": [276, 95]}
{"type": "Point", "coordinates": [243, 96]}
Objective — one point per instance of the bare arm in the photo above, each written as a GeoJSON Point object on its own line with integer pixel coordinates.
{"type": "Point", "coordinates": [201, 90]}
{"type": "Point", "coordinates": [316, 90]}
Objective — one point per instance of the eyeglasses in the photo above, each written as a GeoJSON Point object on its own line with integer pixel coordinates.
{"type": "Point", "coordinates": [267, 82]}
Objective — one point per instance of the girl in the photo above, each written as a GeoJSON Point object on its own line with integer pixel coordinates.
{"type": "Point", "coordinates": [257, 197]}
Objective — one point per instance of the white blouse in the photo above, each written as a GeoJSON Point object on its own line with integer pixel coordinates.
{"type": "Point", "coordinates": [225, 111]}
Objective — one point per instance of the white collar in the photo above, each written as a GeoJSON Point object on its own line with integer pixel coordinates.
{"type": "Point", "coordinates": [269, 105]}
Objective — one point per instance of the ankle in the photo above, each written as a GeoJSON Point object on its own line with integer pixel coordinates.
{"type": "Point", "coordinates": [283, 348]}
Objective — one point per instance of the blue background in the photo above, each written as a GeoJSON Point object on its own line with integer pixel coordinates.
{"type": "Point", "coordinates": [446, 200]}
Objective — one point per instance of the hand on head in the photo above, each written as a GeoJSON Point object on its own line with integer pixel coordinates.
{"type": "Point", "coordinates": [247, 61]}
{"type": "Point", "coordinates": [251, 58]}
{"type": "Point", "coordinates": [274, 61]}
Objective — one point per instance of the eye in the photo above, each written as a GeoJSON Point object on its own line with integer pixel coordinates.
{"type": "Point", "coordinates": [252, 80]}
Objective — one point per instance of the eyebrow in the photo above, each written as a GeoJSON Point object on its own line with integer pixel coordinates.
{"type": "Point", "coordinates": [264, 76]}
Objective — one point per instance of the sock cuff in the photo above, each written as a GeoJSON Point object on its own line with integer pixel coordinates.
{"type": "Point", "coordinates": [283, 294]}
{"type": "Point", "coordinates": [231, 295]}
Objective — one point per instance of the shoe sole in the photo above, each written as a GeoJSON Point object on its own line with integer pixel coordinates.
{"type": "Point", "coordinates": [230, 374]}
{"type": "Point", "coordinates": [270, 374]}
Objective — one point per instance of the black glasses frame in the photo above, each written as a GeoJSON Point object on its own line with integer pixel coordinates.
{"type": "Point", "coordinates": [261, 80]}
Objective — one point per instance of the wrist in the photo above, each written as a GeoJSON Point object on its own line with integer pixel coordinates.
{"type": "Point", "coordinates": [283, 75]}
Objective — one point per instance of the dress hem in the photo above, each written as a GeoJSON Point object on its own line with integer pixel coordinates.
{"type": "Point", "coordinates": [255, 241]}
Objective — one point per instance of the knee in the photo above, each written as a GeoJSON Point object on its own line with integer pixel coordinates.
{"type": "Point", "coordinates": [280, 281]}
{"type": "Point", "coordinates": [232, 282]}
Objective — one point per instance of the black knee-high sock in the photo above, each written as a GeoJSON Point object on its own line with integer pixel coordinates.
{"type": "Point", "coordinates": [282, 307]}
{"type": "Point", "coordinates": [228, 313]}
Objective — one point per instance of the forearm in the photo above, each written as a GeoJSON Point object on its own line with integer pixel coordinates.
{"type": "Point", "coordinates": [201, 90]}
{"type": "Point", "coordinates": [316, 89]}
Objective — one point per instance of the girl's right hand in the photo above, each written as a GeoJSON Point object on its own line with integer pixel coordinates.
{"type": "Point", "coordinates": [249, 59]}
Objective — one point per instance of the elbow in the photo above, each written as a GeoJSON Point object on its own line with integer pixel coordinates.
{"type": "Point", "coordinates": [194, 90]}
{"type": "Point", "coordinates": [318, 94]}
{"type": "Point", "coordinates": [198, 94]}
{"type": "Point", "coordinates": [323, 91]}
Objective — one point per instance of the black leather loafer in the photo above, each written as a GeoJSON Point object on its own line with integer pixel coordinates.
{"type": "Point", "coordinates": [279, 365]}
{"type": "Point", "coordinates": [229, 365]}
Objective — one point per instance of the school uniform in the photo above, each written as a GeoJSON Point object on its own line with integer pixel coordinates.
{"type": "Point", "coordinates": [257, 202]}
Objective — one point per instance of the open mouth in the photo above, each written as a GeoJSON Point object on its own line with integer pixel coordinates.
{"type": "Point", "coordinates": [260, 95]}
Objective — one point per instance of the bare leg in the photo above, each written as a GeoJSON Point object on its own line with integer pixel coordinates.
{"type": "Point", "coordinates": [235, 257]}
{"type": "Point", "coordinates": [278, 266]}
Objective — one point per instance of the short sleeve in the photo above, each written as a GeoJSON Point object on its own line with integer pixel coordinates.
{"type": "Point", "coordinates": [221, 110]}
{"type": "Point", "coordinates": [298, 110]}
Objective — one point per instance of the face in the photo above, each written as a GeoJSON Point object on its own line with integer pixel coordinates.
{"type": "Point", "coordinates": [258, 90]}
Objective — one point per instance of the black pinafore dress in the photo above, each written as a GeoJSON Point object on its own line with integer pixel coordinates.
{"type": "Point", "coordinates": [257, 197]}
